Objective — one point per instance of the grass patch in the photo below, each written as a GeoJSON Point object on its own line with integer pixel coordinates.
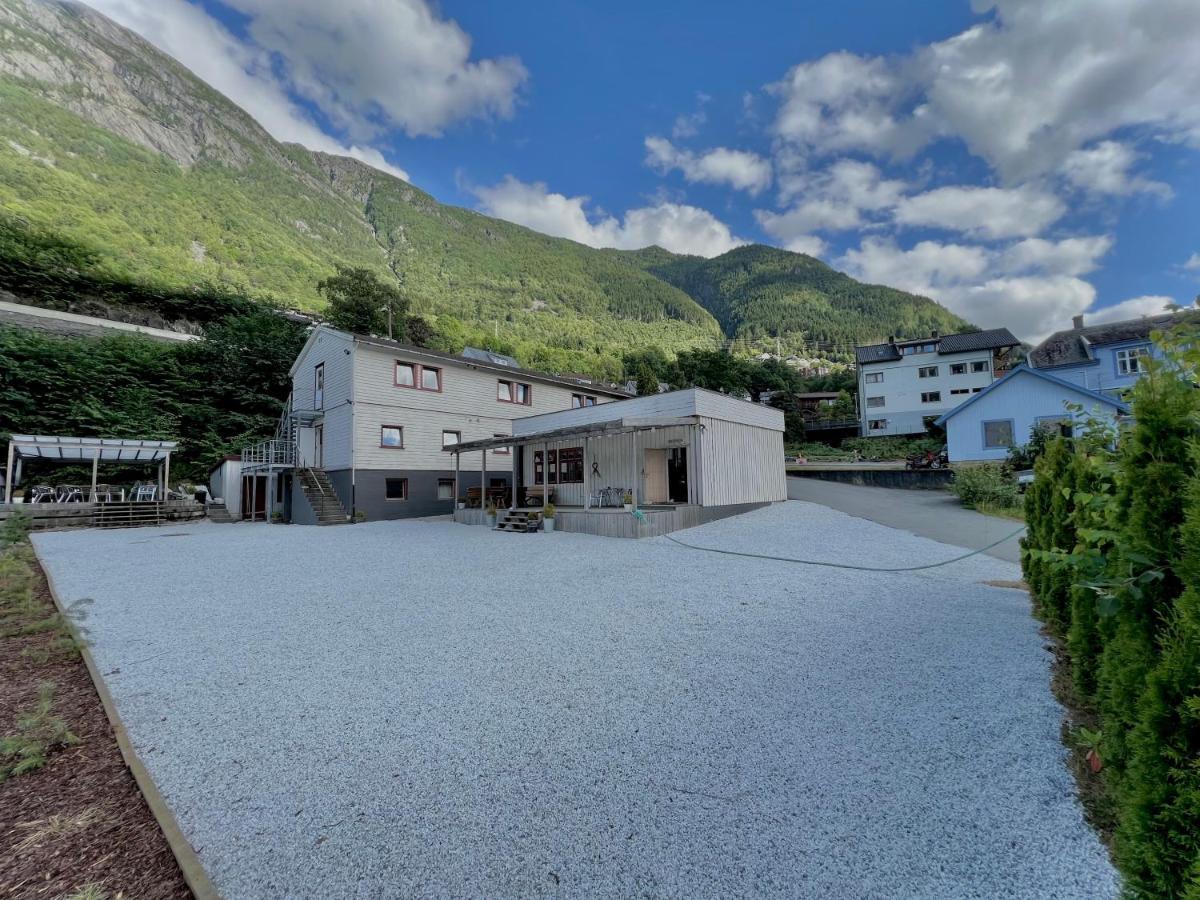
{"type": "Point", "coordinates": [38, 734]}
{"type": "Point", "coordinates": [1002, 511]}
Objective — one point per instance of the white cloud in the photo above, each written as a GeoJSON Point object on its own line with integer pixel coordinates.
{"type": "Point", "coordinates": [1023, 89]}
{"type": "Point", "coordinates": [1030, 286]}
{"type": "Point", "coordinates": [688, 125]}
{"type": "Point", "coordinates": [1133, 308]}
{"type": "Point", "coordinates": [807, 243]}
{"type": "Point", "coordinates": [1104, 169]}
{"type": "Point", "coordinates": [675, 227]}
{"type": "Point", "coordinates": [373, 65]}
{"type": "Point", "coordinates": [985, 212]}
{"type": "Point", "coordinates": [739, 169]}
{"type": "Point", "coordinates": [1193, 262]}
{"type": "Point", "coordinates": [239, 71]}
{"type": "Point", "coordinates": [838, 198]}
{"type": "Point", "coordinates": [1071, 256]}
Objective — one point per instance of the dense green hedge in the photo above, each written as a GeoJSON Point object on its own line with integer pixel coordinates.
{"type": "Point", "coordinates": [1112, 557]}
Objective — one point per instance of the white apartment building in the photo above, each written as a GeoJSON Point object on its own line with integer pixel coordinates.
{"type": "Point", "coordinates": [904, 385]}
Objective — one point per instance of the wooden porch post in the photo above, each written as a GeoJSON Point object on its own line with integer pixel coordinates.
{"type": "Point", "coordinates": [167, 474]}
{"type": "Point", "coordinates": [95, 466]}
{"type": "Point", "coordinates": [634, 490]}
{"type": "Point", "coordinates": [456, 462]}
{"type": "Point", "coordinates": [587, 500]}
{"type": "Point", "coordinates": [8, 473]}
{"type": "Point", "coordinates": [545, 473]}
{"type": "Point", "coordinates": [483, 480]}
{"type": "Point", "coordinates": [513, 449]}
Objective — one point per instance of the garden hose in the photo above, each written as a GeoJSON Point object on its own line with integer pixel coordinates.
{"type": "Point", "coordinates": [833, 565]}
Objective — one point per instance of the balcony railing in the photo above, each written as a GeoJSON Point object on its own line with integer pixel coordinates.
{"type": "Point", "coordinates": [270, 455]}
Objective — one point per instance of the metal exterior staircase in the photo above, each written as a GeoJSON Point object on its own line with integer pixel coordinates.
{"type": "Point", "coordinates": [318, 491]}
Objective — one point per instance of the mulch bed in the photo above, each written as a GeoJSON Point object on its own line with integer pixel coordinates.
{"type": "Point", "coordinates": [79, 822]}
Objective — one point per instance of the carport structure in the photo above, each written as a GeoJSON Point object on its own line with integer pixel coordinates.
{"type": "Point", "coordinates": [84, 450]}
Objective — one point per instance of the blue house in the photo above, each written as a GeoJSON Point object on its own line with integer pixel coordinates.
{"type": "Point", "coordinates": [1005, 413]}
{"type": "Point", "coordinates": [1105, 358]}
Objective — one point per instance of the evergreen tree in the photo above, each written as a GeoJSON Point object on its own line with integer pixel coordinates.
{"type": "Point", "coordinates": [360, 303]}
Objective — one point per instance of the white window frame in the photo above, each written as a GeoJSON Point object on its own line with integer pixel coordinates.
{"type": "Point", "coordinates": [931, 396]}
{"type": "Point", "coordinates": [927, 372]}
{"type": "Point", "coordinates": [873, 378]}
{"type": "Point", "coordinates": [873, 404]}
{"type": "Point", "coordinates": [1129, 360]}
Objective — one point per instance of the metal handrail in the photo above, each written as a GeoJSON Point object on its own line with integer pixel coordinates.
{"type": "Point", "coordinates": [269, 454]}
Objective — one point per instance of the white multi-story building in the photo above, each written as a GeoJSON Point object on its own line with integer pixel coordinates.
{"type": "Point", "coordinates": [904, 385]}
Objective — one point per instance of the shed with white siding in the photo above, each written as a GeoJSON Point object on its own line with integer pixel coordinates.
{"type": "Point", "coordinates": [690, 448]}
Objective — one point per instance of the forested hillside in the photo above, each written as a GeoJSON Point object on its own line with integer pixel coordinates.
{"type": "Point", "coordinates": [759, 293]}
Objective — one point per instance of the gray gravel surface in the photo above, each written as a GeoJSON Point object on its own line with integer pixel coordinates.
{"type": "Point", "coordinates": [424, 708]}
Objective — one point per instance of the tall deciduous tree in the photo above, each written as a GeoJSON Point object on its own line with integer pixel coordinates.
{"type": "Point", "coordinates": [361, 303]}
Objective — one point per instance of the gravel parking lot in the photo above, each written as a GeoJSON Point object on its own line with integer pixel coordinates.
{"type": "Point", "coordinates": [423, 708]}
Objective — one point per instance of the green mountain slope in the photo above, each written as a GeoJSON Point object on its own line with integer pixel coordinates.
{"type": "Point", "coordinates": [759, 293]}
{"type": "Point", "coordinates": [116, 148]}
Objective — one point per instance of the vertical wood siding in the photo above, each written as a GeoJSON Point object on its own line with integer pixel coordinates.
{"type": "Point", "coordinates": [741, 463]}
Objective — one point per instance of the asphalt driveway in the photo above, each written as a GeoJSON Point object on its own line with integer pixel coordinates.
{"type": "Point", "coordinates": [431, 709]}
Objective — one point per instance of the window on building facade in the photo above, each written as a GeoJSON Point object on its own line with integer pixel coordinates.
{"type": "Point", "coordinates": [980, 365]}
{"type": "Point", "coordinates": [976, 390]}
{"type": "Point", "coordinates": [961, 391]}
{"type": "Point", "coordinates": [565, 466]}
{"type": "Point", "coordinates": [514, 392]}
{"type": "Point", "coordinates": [414, 375]}
{"type": "Point", "coordinates": [450, 438]}
{"type": "Point", "coordinates": [391, 437]}
{"type": "Point", "coordinates": [501, 451]}
{"type": "Point", "coordinates": [319, 386]}
{"type": "Point", "coordinates": [913, 349]}
{"type": "Point", "coordinates": [998, 434]}
{"type": "Point", "coordinates": [1132, 360]}
{"type": "Point", "coordinates": [578, 400]}
{"type": "Point", "coordinates": [931, 397]}
{"type": "Point", "coordinates": [958, 368]}
{"type": "Point", "coordinates": [445, 489]}
{"type": "Point", "coordinates": [928, 371]}
{"type": "Point", "coordinates": [1055, 425]}
{"type": "Point", "coordinates": [873, 378]}
{"type": "Point", "coordinates": [397, 489]}
{"type": "Point", "coordinates": [875, 401]}
{"type": "Point", "coordinates": [877, 424]}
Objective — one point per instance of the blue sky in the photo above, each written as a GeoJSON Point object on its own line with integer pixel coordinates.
{"type": "Point", "coordinates": [1017, 160]}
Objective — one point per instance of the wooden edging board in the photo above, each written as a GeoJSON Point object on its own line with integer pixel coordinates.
{"type": "Point", "coordinates": [189, 863]}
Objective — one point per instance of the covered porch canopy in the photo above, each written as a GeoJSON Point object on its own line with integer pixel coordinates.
{"type": "Point", "coordinates": [586, 432]}
{"type": "Point", "coordinates": [82, 450]}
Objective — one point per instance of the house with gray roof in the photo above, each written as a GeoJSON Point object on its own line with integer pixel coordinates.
{"type": "Point", "coordinates": [1108, 358]}
{"type": "Point", "coordinates": [904, 385]}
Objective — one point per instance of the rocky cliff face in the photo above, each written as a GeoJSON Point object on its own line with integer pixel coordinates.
{"type": "Point", "coordinates": [109, 76]}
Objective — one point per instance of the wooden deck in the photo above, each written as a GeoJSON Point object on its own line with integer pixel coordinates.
{"type": "Point", "coordinates": [613, 522]}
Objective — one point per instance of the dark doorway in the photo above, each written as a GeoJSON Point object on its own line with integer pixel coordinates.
{"type": "Point", "coordinates": [254, 497]}
{"type": "Point", "coordinates": [677, 482]}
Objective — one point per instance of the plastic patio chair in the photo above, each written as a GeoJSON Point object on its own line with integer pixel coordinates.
{"type": "Point", "coordinates": [42, 493]}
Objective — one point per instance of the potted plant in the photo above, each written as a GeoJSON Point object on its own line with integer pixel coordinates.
{"type": "Point", "coordinates": [548, 517]}
{"type": "Point", "coordinates": [627, 499]}
{"type": "Point", "coordinates": [462, 502]}
{"type": "Point", "coordinates": [491, 514]}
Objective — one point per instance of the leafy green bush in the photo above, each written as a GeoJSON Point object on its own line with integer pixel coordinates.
{"type": "Point", "coordinates": [885, 448]}
{"type": "Point", "coordinates": [988, 484]}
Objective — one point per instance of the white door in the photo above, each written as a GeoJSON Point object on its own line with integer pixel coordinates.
{"type": "Point", "coordinates": [319, 387]}
{"type": "Point", "coordinates": [656, 476]}
{"type": "Point", "coordinates": [318, 446]}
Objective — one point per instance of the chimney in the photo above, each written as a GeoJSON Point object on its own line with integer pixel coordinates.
{"type": "Point", "coordinates": [933, 334]}
{"type": "Point", "coordinates": [1077, 322]}
{"type": "Point", "coordinates": [891, 339]}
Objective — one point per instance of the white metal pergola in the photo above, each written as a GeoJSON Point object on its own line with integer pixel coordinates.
{"type": "Point", "coordinates": [81, 450]}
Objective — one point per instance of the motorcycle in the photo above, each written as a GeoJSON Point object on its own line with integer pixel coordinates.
{"type": "Point", "coordinates": [928, 460]}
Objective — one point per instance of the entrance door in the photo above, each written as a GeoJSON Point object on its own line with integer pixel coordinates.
{"type": "Point", "coordinates": [656, 476]}
{"type": "Point", "coordinates": [318, 446]}
{"type": "Point", "coordinates": [677, 483]}
{"type": "Point", "coordinates": [254, 497]}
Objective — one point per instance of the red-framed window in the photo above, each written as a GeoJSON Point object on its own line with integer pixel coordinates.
{"type": "Point", "coordinates": [514, 392]}
{"type": "Point", "coordinates": [417, 376]}
{"type": "Point", "coordinates": [566, 466]}
{"type": "Point", "coordinates": [502, 451]}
